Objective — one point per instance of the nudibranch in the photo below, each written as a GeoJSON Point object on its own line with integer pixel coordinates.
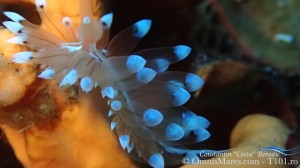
{"type": "Point", "coordinates": [146, 100]}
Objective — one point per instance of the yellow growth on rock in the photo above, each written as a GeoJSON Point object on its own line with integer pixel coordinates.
{"type": "Point", "coordinates": [251, 132]}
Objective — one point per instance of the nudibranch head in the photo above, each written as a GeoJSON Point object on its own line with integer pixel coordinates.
{"type": "Point", "coordinates": [145, 99]}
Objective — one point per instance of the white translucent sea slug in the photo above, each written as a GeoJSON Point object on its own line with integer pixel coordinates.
{"type": "Point", "coordinates": [145, 99]}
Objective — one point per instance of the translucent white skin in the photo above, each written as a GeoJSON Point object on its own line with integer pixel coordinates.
{"type": "Point", "coordinates": [146, 100]}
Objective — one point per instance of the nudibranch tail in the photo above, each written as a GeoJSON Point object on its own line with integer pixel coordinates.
{"type": "Point", "coordinates": [146, 101]}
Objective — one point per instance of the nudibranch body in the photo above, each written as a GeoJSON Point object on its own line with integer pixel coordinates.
{"type": "Point", "coordinates": [145, 99]}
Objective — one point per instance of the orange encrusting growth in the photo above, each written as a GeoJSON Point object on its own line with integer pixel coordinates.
{"type": "Point", "coordinates": [15, 78]}
{"type": "Point", "coordinates": [81, 139]}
